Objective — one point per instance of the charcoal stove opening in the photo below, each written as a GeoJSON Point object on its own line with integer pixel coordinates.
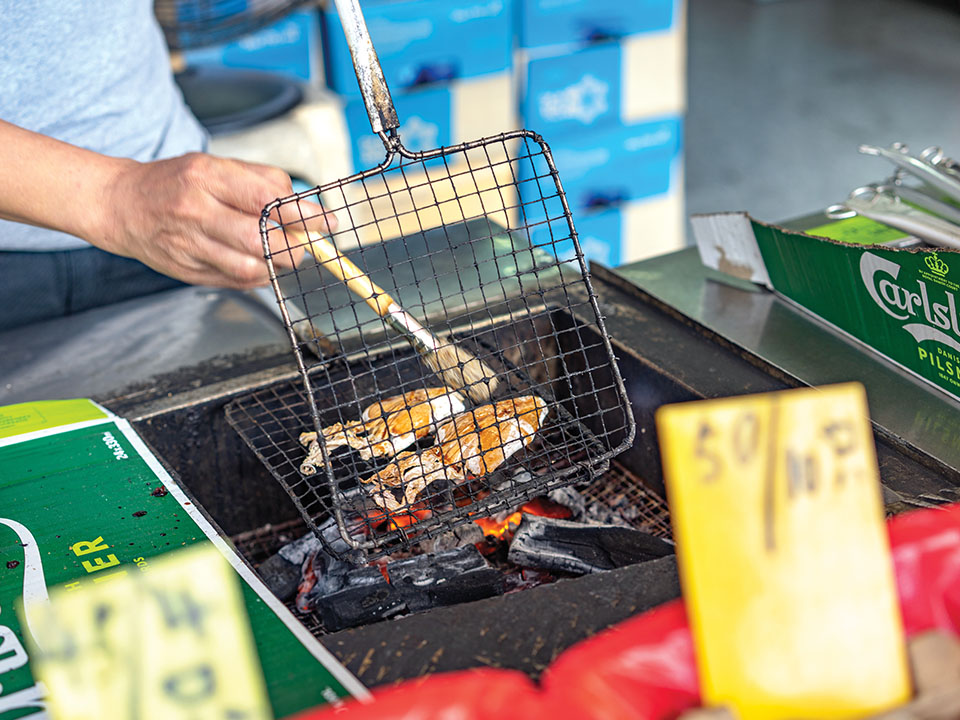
{"type": "Point", "coordinates": [610, 510]}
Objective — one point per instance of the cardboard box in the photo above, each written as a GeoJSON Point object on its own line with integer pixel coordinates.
{"type": "Point", "coordinates": [635, 230]}
{"type": "Point", "coordinates": [609, 167]}
{"type": "Point", "coordinates": [92, 503]}
{"type": "Point", "coordinates": [290, 47]}
{"type": "Point", "coordinates": [624, 82]}
{"type": "Point", "coordinates": [439, 115]}
{"type": "Point", "coordinates": [899, 303]}
{"type": "Point", "coordinates": [424, 41]}
{"type": "Point", "coordinates": [557, 22]}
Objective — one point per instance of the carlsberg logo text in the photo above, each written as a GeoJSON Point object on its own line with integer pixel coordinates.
{"type": "Point", "coordinates": [929, 312]}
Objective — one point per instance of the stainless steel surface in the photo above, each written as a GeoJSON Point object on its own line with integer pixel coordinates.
{"type": "Point", "coordinates": [801, 347]}
{"type": "Point", "coordinates": [366, 64]}
{"type": "Point", "coordinates": [123, 348]}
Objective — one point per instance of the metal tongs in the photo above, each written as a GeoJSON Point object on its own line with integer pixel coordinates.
{"type": "Point", "coordinates": [930, 166]}
{"type": "Point", "coordinates": [882, 202]}
{"type": "Point", "coordinates": [896, 204]}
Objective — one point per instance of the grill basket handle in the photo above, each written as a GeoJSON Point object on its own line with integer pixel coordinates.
{"type": "Point", "coordinates": [366, 65]}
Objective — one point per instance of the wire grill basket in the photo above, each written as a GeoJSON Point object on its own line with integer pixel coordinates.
{"type": "Point", "coordinates": [477, 242]}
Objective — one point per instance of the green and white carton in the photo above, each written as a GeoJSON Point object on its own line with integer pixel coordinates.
{"type": "Point", "coordinates": [83, 500]}
{"type": "Point", "coordinates": [900, 303]}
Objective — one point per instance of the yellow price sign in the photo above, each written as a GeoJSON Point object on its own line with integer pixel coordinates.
{"type": "Point", "coordinates": [172, 641]}
{"type": "Point", "coordinates": [784, 557]}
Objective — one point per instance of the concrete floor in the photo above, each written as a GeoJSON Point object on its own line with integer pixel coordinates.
{"type": "Point", "coordinates": [782, 93]}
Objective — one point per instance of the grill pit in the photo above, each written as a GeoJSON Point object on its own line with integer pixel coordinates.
{"type": "Point", "coordinates": [618, 496]}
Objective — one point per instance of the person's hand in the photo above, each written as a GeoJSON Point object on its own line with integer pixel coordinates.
{"type": "Point", "coordinates": [197, 218]}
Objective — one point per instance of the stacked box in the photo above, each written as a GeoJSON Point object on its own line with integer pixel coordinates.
{"type": "Point", "coordinates": [448, 64]}
{"type": "Point", "coordinates": [604, 84]}
{"type": "Point", "coordinates": [423, 42]}
{"type": "Point", "coordinates": [290, 47]}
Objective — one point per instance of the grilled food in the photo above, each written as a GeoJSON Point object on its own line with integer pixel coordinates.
{"type": "Point", "coordinates": [481, 439]}
{"type": "Point", "coordinates": [410, 475]}
{"type": "Point", "coordinates": [386, 427]}
{"type": "Point", "coordinates": [472, 444]}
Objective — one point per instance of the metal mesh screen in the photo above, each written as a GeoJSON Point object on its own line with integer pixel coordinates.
{"type": "Point", "coordinates": [476, 243]}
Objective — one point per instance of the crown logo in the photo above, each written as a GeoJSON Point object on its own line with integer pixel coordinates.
{"type": "Point", "coordinates": [936, 264]}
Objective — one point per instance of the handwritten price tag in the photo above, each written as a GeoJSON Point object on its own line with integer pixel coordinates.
{"type": "Point", "coordinates": [783, 553]}
{"type": "Point", "coordinates": [170, 642]}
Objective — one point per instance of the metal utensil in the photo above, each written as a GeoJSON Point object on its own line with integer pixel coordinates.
{"type": "Point", "coordinates": [920, 167]}
{"type": "Point", "coordinates": [456, 366]}
{"type": "Point", "coordinates": [880, 203]}
{"type": "Point", "coordinates": [477, 241]}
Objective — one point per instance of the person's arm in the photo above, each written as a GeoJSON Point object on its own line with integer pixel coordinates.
{"type": "Point", "coordinates": [195, 217]}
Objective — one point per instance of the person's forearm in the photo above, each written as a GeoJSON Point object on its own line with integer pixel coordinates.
{"type": "Point", "coordinates": [194, 217]}
{"type": "Point", "coordinates": [52, 184]}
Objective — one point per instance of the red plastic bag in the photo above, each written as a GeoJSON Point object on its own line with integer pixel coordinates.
{"type": "Point", "coordinates": [642, 668]}
{"type": "Point", "coordinates": [926, 554]}
{"type": "Point", "coordinates": [482, 694]}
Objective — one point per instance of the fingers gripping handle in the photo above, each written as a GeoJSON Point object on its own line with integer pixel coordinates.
{"type": "Point", "coordinates": [366, 65]}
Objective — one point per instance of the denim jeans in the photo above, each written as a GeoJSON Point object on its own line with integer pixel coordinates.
{"type": "Point", "coordinates": [37, 286]}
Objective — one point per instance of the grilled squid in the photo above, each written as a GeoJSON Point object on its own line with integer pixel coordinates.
{"type": "Point", "coordinates": [386, 427]}
{"type": "Point", "coordinates": [481, 440]}
{"type": "Point", "coordinates": [472, 444]}
{"type": "Point", "coordinates": [408, 476]}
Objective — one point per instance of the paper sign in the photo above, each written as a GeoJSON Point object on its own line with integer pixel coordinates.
{"type": "Point", "coordinates": [170, 642]}
{"type": "Point", "coordinates": [784, 557]}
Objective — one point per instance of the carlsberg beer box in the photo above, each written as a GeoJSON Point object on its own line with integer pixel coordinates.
{"type": "Point", "coordinates": [901, 303]}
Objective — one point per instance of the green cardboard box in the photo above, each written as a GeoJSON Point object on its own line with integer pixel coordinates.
{"type": "Point", "coordinates": [899, 302]}
{"type": "Point", "coordinates": [82, 501]}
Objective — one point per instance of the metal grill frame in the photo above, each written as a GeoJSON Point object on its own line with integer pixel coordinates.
{"type": "Point", "coordinates": [401, 161]}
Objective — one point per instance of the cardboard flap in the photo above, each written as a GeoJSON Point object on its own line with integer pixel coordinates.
{"type": "Point", "coordinates": [727, 243]}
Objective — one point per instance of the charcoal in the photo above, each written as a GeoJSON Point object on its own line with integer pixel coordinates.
{"type": "Point", "coordinates": [280, 576]}
{"type": "Point", "coordinates": [297, 551]}
{"type": "Point", "coordinates": [468, 534]}
{"type": "Point", "coordinates": [366, 597]}
{"type": "Point", "coordinates": [445, 578]}
{"type": "Point", "coordinates": [618, 511]}
{"type": "Point", "coordinates": [570, 498]}
{"type": "Point", "coordinates": [305, 564]}
{"type": "Point", "coordinates": [565, 546]}
{"type": "Point", "coordinates": [417, 583]}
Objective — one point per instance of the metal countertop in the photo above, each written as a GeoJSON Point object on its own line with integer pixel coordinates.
{"type": "Point", "coordinates": [122, 349]}
{"type": "Point", "coordinates": [791, 340]}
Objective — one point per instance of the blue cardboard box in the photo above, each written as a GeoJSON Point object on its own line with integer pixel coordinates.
{"type": "Point", "coordinates": [558, 22]}
{"type": "Point", "coordinates": [635, 230]}
{"type": "Point", "coordinates": [288, 47]}
{"type": "Point", "coordinates": [612, 83]}
{"type": "Point", "coordinates": [425, 124]}
{"type": "Point", "coordinates": [444, 114]}
{"type": "Point", "coordinates": [573, 91]}
{"type": "Point", "coordinates": [608, 167]}
{"type": "Point", "coordinates": [420, 42]}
